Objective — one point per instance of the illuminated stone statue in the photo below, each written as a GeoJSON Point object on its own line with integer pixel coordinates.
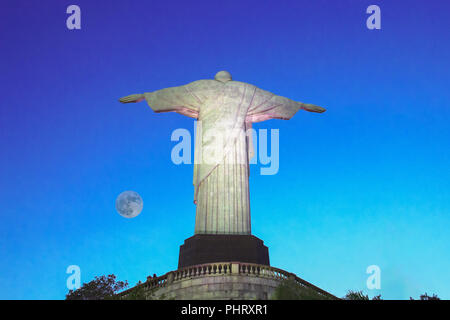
{"type": "Point", "coordinates": [225, 109]}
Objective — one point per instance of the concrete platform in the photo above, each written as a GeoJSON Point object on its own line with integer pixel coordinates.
{"type": "Point", "coordinates": [220, 281]}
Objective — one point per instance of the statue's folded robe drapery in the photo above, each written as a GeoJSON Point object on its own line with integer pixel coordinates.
{"type": "Point", "coordinates": [221, 180]}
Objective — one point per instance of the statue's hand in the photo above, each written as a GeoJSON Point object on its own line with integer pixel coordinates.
{"type": "Point", "coordinates": [132, 98]}
{"type": "Point", "coordinates": [313, 108]}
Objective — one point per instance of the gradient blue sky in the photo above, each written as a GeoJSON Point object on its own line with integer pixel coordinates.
{"type": "Point", "coordinates": [365, 183]}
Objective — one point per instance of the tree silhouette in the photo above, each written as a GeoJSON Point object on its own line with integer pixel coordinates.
{"type": "Point", "coordinates": [359, 295]}
{"type": "Point", "coordinates": [104, 287]}
{"type": "Point", "coordinates": [425, 296]}
{"type": "Point", "coordinates": [356, 295]}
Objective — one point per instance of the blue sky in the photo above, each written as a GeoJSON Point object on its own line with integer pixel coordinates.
{"type": "Point", "coordinates": [365, 183]}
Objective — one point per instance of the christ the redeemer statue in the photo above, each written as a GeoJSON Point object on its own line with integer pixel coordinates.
{"type": "Point", "coordinates": [224, 108]}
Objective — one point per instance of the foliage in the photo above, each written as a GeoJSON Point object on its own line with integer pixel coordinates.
{"type": "Point", "coordinates": [291, 290]}
{"type": "Point", "coordinates": [141, 293]}
{"type": "Point", "coordinates": [356, 295]}
{"type": "Point", "coordinates": [425, 296]}
{"type": "Point", "coordinates": [104, 287]}
{"type": "Point", "coordinates": [137, 293]}
{"type": "Point", "coordinates": [359, 295]}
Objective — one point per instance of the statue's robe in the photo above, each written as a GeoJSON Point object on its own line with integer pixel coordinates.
{"type": "Point", "coordinates": [225, 110]}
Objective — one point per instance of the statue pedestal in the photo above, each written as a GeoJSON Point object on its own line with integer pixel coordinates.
{"type": "Point", "coordinates": [223, 281]}
{"type": "Point", "coordinates": [209, 248]}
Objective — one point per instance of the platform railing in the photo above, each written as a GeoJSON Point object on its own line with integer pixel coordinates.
{"type": "Point", "coordinates": [275, 273]}
{"type": "Point", "coordinates": [220, 268]}
{"type": "Point", "coordinates": [225, 268]}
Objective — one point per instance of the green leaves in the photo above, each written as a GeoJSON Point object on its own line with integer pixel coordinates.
{"type": "Point", "coordinates": [101, 288]}
{"type": "Point", "coordinates": [290, 290]}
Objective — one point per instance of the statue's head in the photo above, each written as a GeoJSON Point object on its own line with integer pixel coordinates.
{"type": "Point", "coordinates": [223, 76]}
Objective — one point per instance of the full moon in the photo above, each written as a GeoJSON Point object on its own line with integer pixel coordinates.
{"type": "Point", "coordinates": [129, 204]}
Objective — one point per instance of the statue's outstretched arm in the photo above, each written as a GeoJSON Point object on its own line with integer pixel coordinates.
{"type": "Point", "coordinates": [132, 98]}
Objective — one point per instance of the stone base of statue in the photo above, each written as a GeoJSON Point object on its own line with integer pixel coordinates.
{"type": "Point", "coordinates": [223, 267]}
{"type": "Point", "coordinates": [208, 248]}
{"type": "Point", "coordinates": [223, 281]}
